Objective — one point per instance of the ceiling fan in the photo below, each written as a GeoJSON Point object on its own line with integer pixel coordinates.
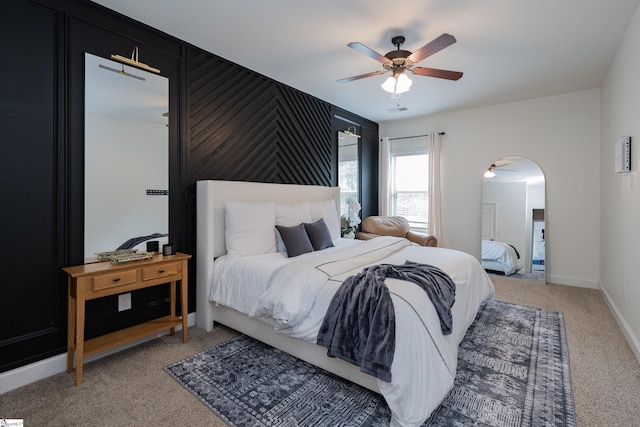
{"type": "Point", "coordinates": [491, 172]}
{"type": "Point", "coordinates": [398, 61]}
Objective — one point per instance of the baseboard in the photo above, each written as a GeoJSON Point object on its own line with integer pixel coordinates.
{"type": "Point", "coordinates": [624, 326]}
{"type": "Point", "coordinates": [579, 282]}
{"type": "Point", "coordinates": [54, 365]}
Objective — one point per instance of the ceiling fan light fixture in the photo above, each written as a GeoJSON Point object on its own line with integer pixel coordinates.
{"type": "Point", "coordinates": [489, 173]}
{"type": "Point", "coordinates": [404, 83]}
{"type": "Point", "coordinates": [389, 85]}
{"type": "Point", "coordinates": [397, 84]}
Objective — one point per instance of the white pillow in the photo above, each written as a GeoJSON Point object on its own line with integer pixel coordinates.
{"type": "Point", "coordinates": [249, 228]}
{"type": "Point", "coordinates": [326, 210]}
{"type": "Point", "coordinates": [289, 216]}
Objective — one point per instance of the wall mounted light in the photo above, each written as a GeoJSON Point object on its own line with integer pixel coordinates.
{"type": "Point", "coordinates": [133, 61]}
{"type": "Point", "coordinates": [351, 130]}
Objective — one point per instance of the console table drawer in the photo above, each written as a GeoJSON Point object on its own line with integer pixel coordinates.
{"type": "Point", "coordinates": [157, 272]}
{"type": "Point", "coordinates": [121, 278]}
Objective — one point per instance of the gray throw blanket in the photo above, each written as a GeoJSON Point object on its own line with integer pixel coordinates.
{"type": "Point", "coordinates": [359, 326]}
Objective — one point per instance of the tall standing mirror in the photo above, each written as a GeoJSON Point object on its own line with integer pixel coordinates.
{"type": "Point", "coordinates": [126, 155]}
{"type": "Point", "coordinates": [513, 218]}
{"type": "Point", "coordinates": [348, 172]}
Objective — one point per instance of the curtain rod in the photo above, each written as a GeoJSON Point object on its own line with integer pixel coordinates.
{"type": "Point", "coordinates": [414, 136]}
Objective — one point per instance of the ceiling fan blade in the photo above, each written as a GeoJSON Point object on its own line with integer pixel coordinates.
{"type": "Point", "coordinates": [435, 72]}
{"type": "Point", "coordinates": [361, 76]}
{"type": "Point", "coordinates": [368, 51]}
{"type": "Point", "coordinates": [435, 45]}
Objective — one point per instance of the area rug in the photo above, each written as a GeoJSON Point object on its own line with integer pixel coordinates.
{"type": "Point", "coordinates": [513, 371]}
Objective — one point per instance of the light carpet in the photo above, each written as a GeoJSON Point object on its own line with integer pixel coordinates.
{"type": "Point", "coordinates": [513, 371]}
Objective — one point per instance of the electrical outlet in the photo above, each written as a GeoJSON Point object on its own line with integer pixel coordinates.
{"type": "Point", "coordinates": [124, 301]}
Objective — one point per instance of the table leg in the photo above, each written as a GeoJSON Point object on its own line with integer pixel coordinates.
{"type": "Point", "coordinates": [172, 303]}
{"type": "Point", "coordinates": [80, 317]}
{"type": "Point", "coordinates": [184, 285]}
{"type": "Point", "coordinates": [71, 325]}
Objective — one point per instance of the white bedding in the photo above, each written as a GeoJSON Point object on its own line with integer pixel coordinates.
{"type": "Point", "coordinates": [293, 294]}
{"type": "Point", "coordinates": [499, 256]}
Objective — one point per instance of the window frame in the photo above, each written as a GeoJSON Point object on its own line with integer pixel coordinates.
{"type": "Point", "coordinates": [420, 223]}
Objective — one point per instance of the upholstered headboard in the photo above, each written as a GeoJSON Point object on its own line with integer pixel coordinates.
{"type": "Point", "coordinates": [210, 239]}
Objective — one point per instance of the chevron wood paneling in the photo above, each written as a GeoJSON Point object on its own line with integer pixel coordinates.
{"type": "Point", "coordinates": [244, 126]}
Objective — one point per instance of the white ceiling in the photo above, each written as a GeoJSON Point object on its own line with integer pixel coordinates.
{"type": "Point", "coordinates": [508, 50]}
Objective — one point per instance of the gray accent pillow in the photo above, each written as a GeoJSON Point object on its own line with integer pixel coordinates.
{"type": "Point", "coordinates": [319, 234]}
{"type": "Point", "coordinates": [295, 240]}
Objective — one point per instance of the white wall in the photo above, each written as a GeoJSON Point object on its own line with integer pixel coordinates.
{"type": "Point", "coordinates": [510, 199]}
{"type": "Point", "coordinates": [620, 193]}
{"type": "Point", "coordinates": [124, 159]}
{"type": "Point", "coordinates": [562, 135]}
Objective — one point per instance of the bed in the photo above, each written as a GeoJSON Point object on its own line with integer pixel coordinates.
{"type": "Point", "coordinates": [240, 290]}
{"type": "Point", "coordinates": [500, 257]}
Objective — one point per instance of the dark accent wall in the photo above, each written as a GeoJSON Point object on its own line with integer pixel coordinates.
{"type": "Point", "coordinates": [226, 122]}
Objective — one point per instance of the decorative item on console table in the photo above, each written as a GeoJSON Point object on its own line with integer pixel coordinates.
{"type": "Point", "coordinates": [101, 279]}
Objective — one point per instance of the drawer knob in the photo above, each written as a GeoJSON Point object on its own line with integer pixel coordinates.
{"type": "Point", "coordinates": [160, 271]}
{"type": "Point", "coordinates": [117, 279]}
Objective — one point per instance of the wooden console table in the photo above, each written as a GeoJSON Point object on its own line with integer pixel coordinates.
{"type": "Point", "coordinates": [90, 281]}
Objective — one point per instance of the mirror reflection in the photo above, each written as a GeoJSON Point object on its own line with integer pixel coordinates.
{"type": "Point", "coordinates": [513, 218]}
{"type": "Point", "coordinates": [348, 176]}
{"type": "Point", "coordinates": [126, 155]}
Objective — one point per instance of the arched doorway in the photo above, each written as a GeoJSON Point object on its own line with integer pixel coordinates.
{"type": "Point", "coordinates": [514, 218]}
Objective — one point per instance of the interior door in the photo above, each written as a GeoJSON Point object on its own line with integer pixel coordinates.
{"type": "Point", "coordinates": [488, 221]}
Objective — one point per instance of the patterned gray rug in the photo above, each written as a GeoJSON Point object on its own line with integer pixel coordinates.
{"type": "Point", "coordinates": [513, 371]}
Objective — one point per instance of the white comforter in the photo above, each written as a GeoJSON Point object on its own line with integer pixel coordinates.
{"type": "Point", "coordinates": [500, 256]}
{"type": "Point", "coordinates": [293, 295]}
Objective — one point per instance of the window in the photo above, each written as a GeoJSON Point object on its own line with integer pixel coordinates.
{"type": "Point", "coordinates": [410, 185]}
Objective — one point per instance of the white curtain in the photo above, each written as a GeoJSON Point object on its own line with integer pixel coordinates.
{"type": "Point", "coordinates": [384, 190]}
{"type": "Point", "coordinates": [435, 209]}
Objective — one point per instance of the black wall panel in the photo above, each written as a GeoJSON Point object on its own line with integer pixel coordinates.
{"type": "Point", "coordinates": [226, 122]}
{"type": "Point", "coordinates": [32, 311]}
{"type": "Point", "coordinates": [243, 126]}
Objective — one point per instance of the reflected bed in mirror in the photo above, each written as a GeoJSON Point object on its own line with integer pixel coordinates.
{"type": "Point", "coordinates": [126, 156]}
